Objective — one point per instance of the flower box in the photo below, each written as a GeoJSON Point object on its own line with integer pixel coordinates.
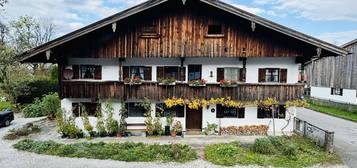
{"type": "Point", "coordinates": [166, 82]}
{"type": "Point", "coordinates": [228, 83]}
{"type": "Point", "coordinates": [132, 81]}
{"type": "Point", "coordinates": [197, 83]}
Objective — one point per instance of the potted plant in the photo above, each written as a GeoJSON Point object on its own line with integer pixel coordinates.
{"type": "Point", "coordinates": [228, 83]}
{"type": "Point", "coordinates": [169, 81]}
{"type": "Point", "coordinates": [211, 129]}
{"type": "Point", "coordinates": [157, 127]}
{"type": "Point", "coordinates": [199, 82]}
{"type": "Point", "coordinates": [176, 129]}
{"type": "Point", "coordinates": [133, 81]}
{"type": "Point", "coordinates": [169, 120]}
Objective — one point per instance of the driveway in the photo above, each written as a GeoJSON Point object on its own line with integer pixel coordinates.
{"type": "Point", "coordinates": [345, 133]}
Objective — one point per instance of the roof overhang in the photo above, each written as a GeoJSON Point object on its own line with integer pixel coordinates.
{"type": "Point", "coordinates": [215, 3]}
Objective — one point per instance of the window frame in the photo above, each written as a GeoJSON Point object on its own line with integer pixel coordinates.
{"type": "Point", "coordinates": [141, 74]}
{"type": "Point", "coordinates": [277, 114]}
{"type": "Point", "coordinates": [81, 75]}
{"type": "Point", "coordinates": [269, 73]}
{"type": "Point", "coordinates": [177, 114]}
{"type": "Point", "coordinates": [80, 105]}
{"type": "Point", "coordinates": [337, 91]}
{"type": "Point", "coordinates": [235, 68]}
{"type": "Point", "coordinates": [128, 107]}
{"type": "Point", "coordinates": [214, 29]}
{"type": "Point", "coordinates": [239, 112]}
{"type": "Point", "coordinates": [195, 67]}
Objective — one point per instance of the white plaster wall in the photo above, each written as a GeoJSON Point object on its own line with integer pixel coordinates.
{"type": "Point", "coordinates": [250, 118]}
{"type": "Point", "coordinates": [349, 96]}
{"type": "Point", "coordinates": [253, 64]}
{"type": "Point", "coordinates": [110, 67]}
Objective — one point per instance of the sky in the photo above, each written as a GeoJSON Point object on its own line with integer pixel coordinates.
{"type": "Point", "coordinates": [334, 21]}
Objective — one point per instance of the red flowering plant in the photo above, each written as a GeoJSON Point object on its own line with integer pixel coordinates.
{"type": "Point", "coordinates": [227, 82]}
{"type": "Point", "coordinates": [199, 82]}
{"type": "Point", "coordinates": [134, 80]}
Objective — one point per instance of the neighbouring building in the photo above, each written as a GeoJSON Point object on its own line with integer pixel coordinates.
{"type": "Point", "coordinates": [185, 40]}
{"type": "Point", "coordinates": [334, 78]}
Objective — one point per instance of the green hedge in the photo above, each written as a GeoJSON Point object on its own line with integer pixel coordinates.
{"type": "Point", "coordinates": [128, 151]}
{"type": "Point", "coordinates": [47, 106]}
{"type": "Point", "coordinates": [38, 87]}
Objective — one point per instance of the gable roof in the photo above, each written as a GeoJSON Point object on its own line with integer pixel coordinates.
{"type": "Point", "coordinates": [349, 43]}
{"type": "Point", "coordinates": [215, 3]}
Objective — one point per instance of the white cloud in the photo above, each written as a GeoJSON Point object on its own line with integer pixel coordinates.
{"type": "Point", "coordinates": [249, 9]}
{"type": "Point", "coordinates": [329, 10]}
{"type": "Point", "coordinates": [339, 38]}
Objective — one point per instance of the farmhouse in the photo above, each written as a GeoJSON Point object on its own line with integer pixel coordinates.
{"type": "Point", "coordinates": [334, 78]}
{"type": "Point", "coordinates": [189, 49]}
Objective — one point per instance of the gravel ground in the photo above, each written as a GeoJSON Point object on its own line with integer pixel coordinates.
{"type": "Point", "coordinates": [10, 157]}
{"type": "Point", "coordinates": [345, 141]}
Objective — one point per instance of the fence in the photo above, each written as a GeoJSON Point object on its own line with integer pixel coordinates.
{"type": "Point", "coordinates": [324, 137]}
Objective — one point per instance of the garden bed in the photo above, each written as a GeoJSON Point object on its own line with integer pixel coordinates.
{"type": "Point", "coordinates": [128, 151]}
{"type": "Point", "coordinates": [294, 151]}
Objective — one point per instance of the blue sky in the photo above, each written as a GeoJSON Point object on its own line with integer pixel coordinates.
{"type": "Point", "coordinates": [334, 21]}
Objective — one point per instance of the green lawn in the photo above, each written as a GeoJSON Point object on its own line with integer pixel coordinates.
{"type": "Point", "coordinates": [292, 152]}
{"type": "Point", "coordinates": [335, 112]}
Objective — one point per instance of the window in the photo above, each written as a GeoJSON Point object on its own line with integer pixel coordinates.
{"type": "Point", "coordinates": [87, 71]}
{"type": "Point", "coordinates": [171, 72]}
{"type": "Point", "coordinates": [177, 111]}
{"type": "Point", "coordinates": [149, 29]}
{"type": "Point", "coordinates": [231, 73]}
{"type": "Point", "coordinates": [134, 110]}
{"type": "Point", "coordinates": [194, 72]}
{"type": "Point", "coordinates": [272, 75]}
{"type": "Point", "coordinates": [90, 108]}
{"type": "Point", "coordinates": [137, 72]}
{"type": "Point", "coordinates": [214, 29]}
{"type": "Point", "coordinates": [337, 91]}
{"type": "Point", "coordinates": [229, 112]}
{"type": "Point", "coordinates": [267, 113]}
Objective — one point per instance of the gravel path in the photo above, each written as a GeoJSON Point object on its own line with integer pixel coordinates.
{"type": "Point", "coordinates": [10, 157]}
{"type": "Point", "coordinates": [345, 133]}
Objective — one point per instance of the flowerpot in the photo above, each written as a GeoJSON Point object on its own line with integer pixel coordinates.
{"type": "Point", "coordinates": [173, 134]}
{"type": "Point", "coordinates": [119, 134]}
{"type": "Point", "coordinates": [167, 130]}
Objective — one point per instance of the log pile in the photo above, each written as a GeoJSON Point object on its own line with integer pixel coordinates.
{"type": "Point", "coordinates": [245, 130]}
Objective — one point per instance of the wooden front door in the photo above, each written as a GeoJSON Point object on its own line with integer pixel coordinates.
{"type": "Point", "coordinates": [193, 118]}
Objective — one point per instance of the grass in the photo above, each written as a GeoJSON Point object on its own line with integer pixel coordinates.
{"type": "Point", "coordinates": [128, 151]}
{"type": "Point", "coordinates": [335, 112]}
{"type": "Point", "coordinates": [294, 151]}
{"type": "Point", "coordinates": [21, 132]}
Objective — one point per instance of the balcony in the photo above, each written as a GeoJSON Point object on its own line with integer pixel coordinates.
{"type": "Point", "coordinates": [154, 91]}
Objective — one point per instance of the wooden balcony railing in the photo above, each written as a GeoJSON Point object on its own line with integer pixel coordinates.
{"type": "Point", "coordinates": [119, 90]}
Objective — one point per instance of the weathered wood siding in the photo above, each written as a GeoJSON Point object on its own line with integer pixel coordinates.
{"type": "Point", "coordinates": [182, 32]}
{"type": "Point", "coordinates": [117, 90]}
{"type": "Point", "coordinates": [337, 72]}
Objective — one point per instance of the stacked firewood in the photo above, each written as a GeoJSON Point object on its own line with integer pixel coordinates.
{"type": "Point", "coordinates": [245, 130]}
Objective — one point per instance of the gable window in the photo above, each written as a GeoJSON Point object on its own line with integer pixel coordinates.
{"type": "Point", "coordinates": [134, 110]}
{"type": "Point", "coordinates": [274, 75]}
{"type": "Point", "coordinates": [337, 91]}
{"type": "Point", "coordinates": [267, 113]}
{"type": "Point", "coordinates": [90, 108]}
{"type": "Point", "coordinates": [149, 31]}
{"type": "Point", "coordinates": [214, 30]}
{"type": "Point", "coordinates": [229, 112]}
{"type": "Point", "coordinates": [163, 111]}
{"type": "Point", "coordinates": [237, 74]}
{"type": "Point", "coordinates": [87, 72]}
{"type": "Point", "coordinates": [140, 72]}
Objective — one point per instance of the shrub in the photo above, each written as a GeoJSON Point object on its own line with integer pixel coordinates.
{"type": "Point", "coordinates": [223, 154]}
{"type": "Point", "coordinates": [37, 88]}
{"type": "Point", "coordinates": [263, 146]}
{"type": "Point", "coordinates": [128, 151]}
{"type": "Point", "coordinates": [25, 131]}
{"type": "Point", "coordinates": [48, 106]}
{"type": "Point", "coordinates": [67, 127]}
{"type": "Point", "coordinates": [5, 105]}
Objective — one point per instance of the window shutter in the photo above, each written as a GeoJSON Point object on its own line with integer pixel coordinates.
{"type": "Point", "coordinates": [126, 72]}
{"type": "Point", "coordinates": [332, 91]}
{"type": "Point", "coordinates": [147, 73]}
{"type": "Point", "coordinates": [241, 112]}
{"type": "Point", "coordinates": [75, 69]}
{"type": "Point", "coordinates": [98, 72]}
{"type": "Point", "coordinates": [182, 73]}
{"type": "Point", "coordinates": [261, 75]}
{"type": "Point", "coordinates": [160, 72]}
{"type": "Point", "coordinates": [341, 92]}
{"type": "Point", "coordinates": [283, 75]}
{"type": "Point", "coordinates": [220, 74]}
{"type": "Point", "coordinates": [242, 72]}
{"type": "Point", "coordinates": [219, 111]}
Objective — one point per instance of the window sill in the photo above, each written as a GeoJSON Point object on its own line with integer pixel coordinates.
{"type": "Point", "coordinates": [151, 35]}
{"type": "Point", "coordinates": [214, 35]}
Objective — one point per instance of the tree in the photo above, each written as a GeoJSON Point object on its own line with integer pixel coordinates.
{"type": "Point", "coordinates": [3, 2]}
